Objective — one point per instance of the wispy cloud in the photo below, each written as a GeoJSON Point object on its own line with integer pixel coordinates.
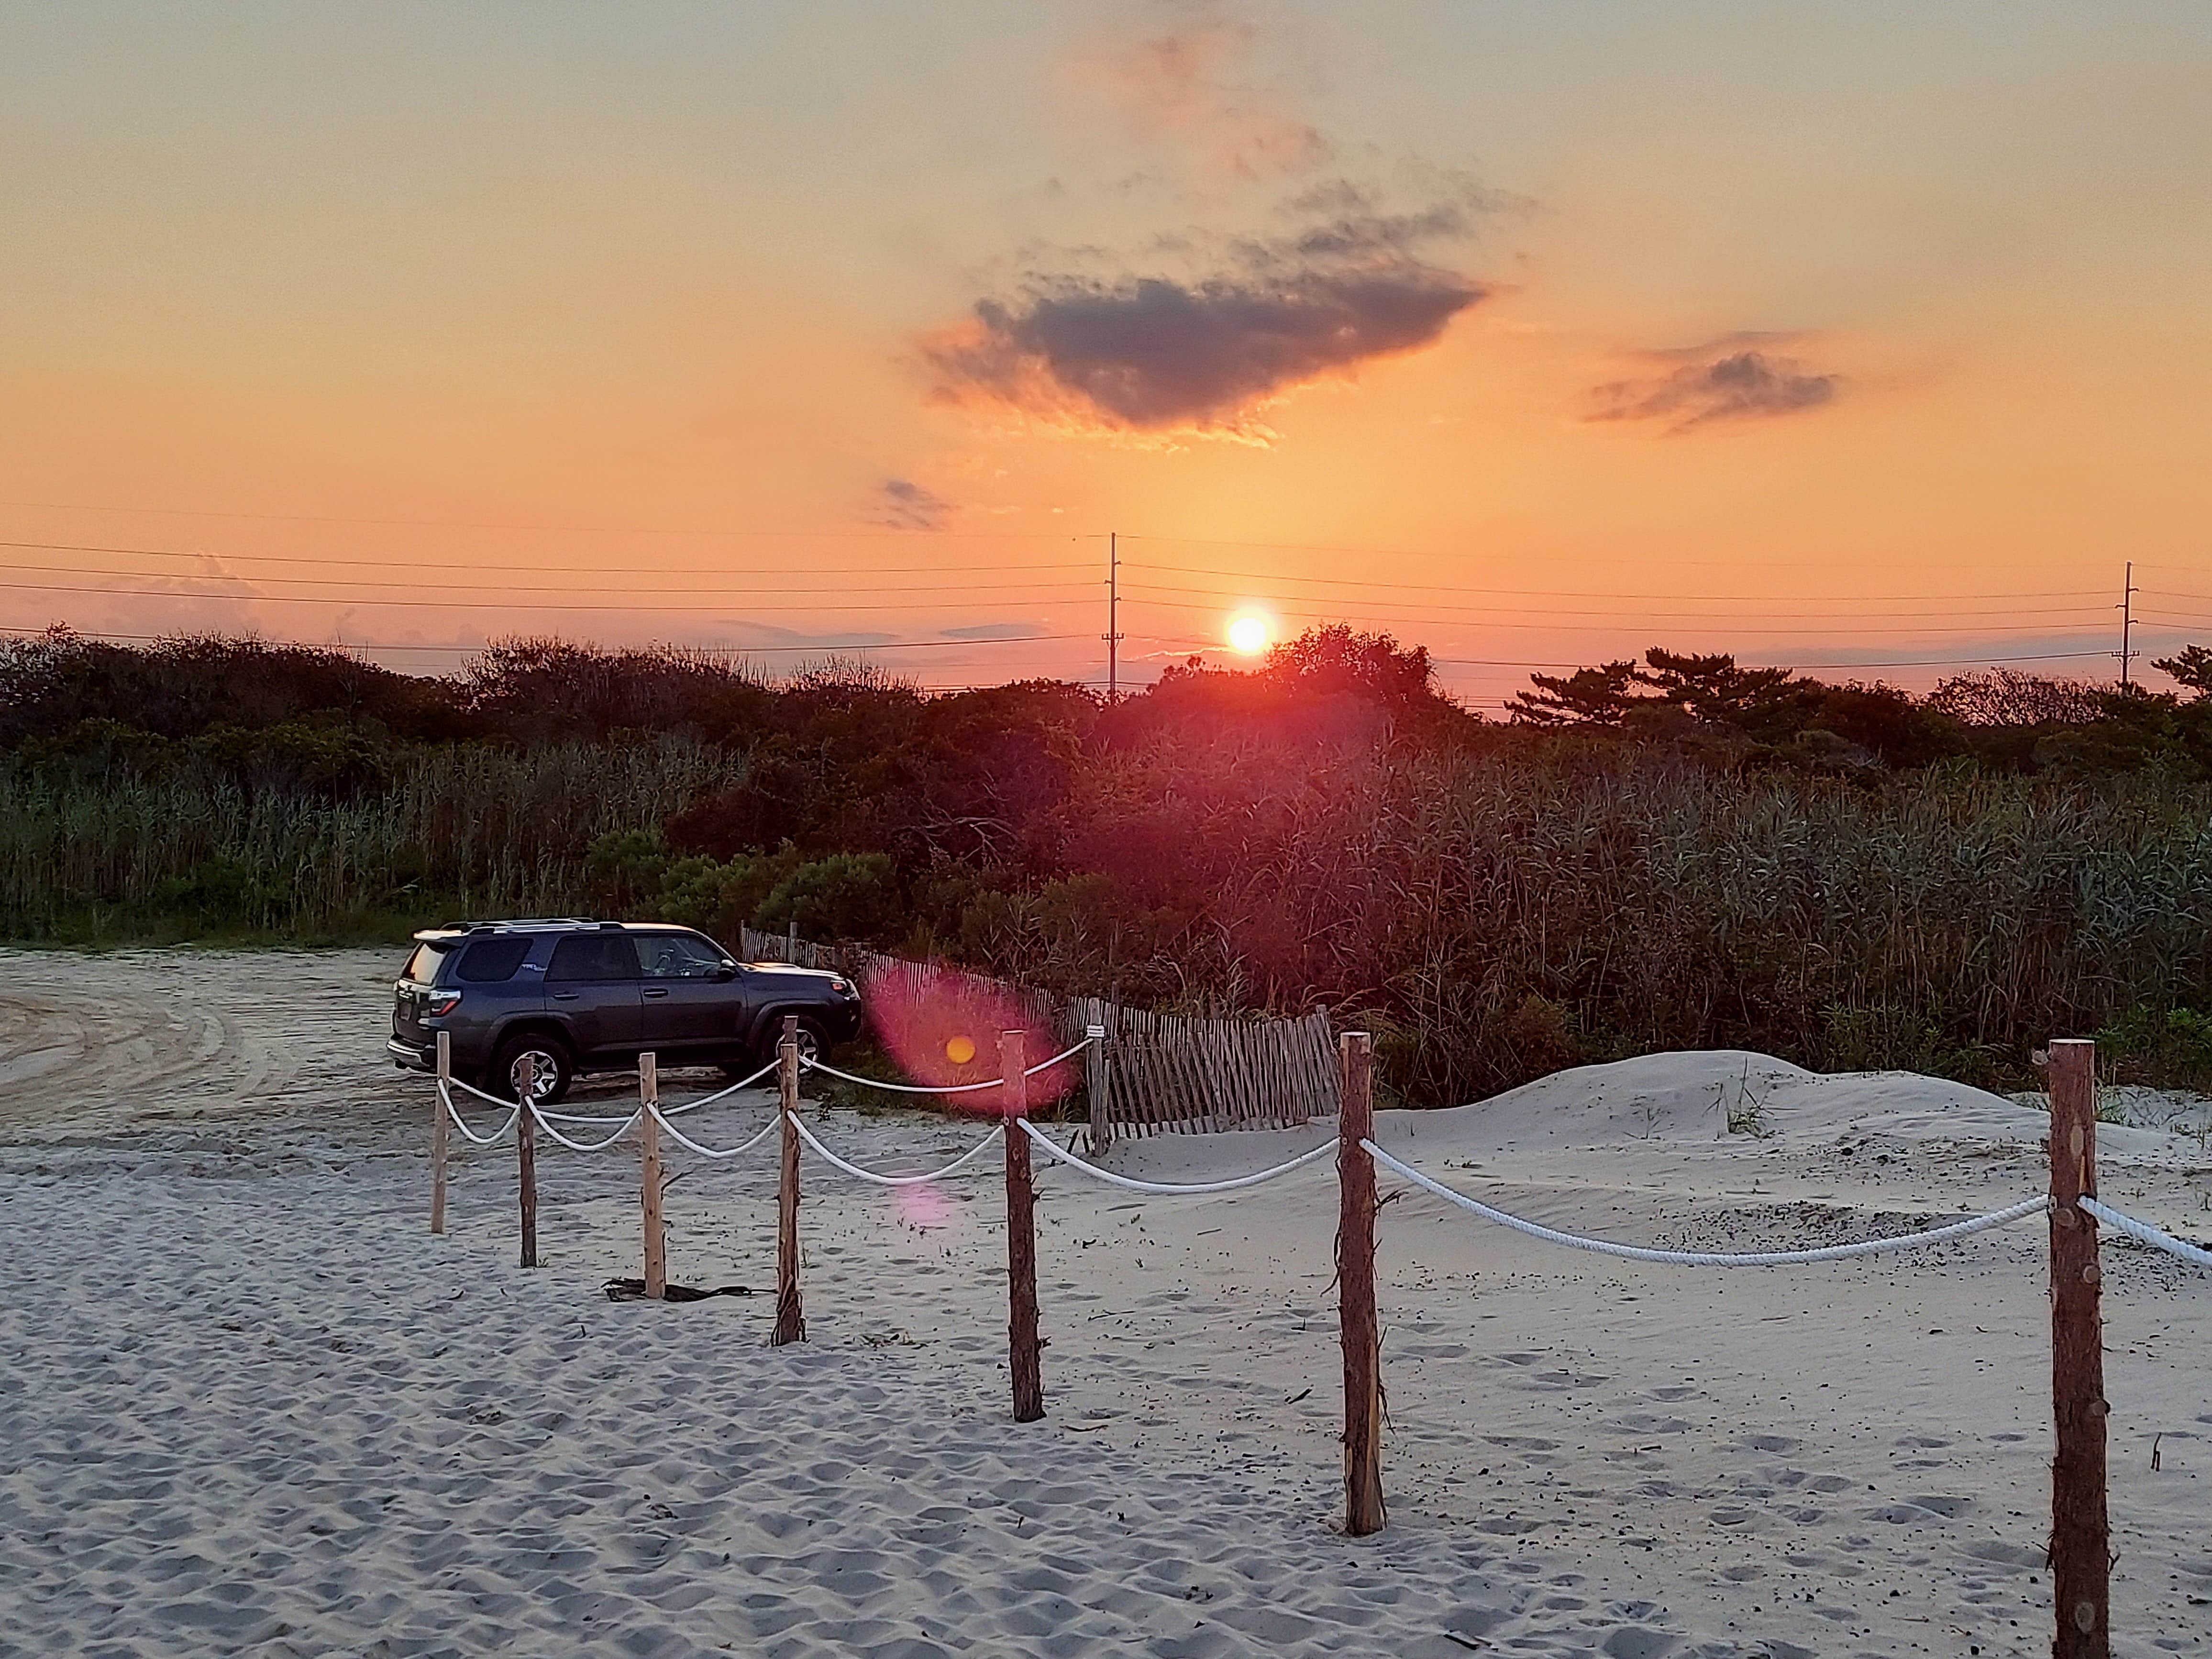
{"type": "Point", "coordinates": [903, 504]}
{"type": "Point", "coordinates": [1183, 85]}
{"type": "Point", "coordinates": [1738, 377]}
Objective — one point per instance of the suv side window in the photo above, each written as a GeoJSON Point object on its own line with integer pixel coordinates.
{"type": "Point", "coordinates": [676, 956]}
{"type": "Point", "coordinates": [593, 956]}
{"type": "Point", "coordinates": [491, 961]}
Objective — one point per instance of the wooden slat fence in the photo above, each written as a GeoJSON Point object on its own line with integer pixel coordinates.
{"type": "Point", "coordinates": [1162, 1073]}
{"type": "Point", "coordinates": [1155, 1072]}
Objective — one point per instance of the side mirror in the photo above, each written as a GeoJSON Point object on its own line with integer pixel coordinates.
{"type": "Point", "coordinates": [726, 973]}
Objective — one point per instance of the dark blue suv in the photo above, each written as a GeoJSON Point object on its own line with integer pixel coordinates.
{"type": "Point", "coordinates": [574, 996]}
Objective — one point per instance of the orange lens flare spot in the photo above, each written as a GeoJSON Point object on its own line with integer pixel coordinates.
{"type": "Point", "coordinates": [960, 1051]}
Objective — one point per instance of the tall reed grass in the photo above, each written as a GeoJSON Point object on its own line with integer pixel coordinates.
{"type": "Point", "coordinates": [466, 829]}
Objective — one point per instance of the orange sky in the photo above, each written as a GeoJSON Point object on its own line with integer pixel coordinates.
{"type": "Point", "coordinates": [1536, 335]}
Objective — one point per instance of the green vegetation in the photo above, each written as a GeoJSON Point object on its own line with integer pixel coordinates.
{"type": "Point", "coordinates": [1670, 853]}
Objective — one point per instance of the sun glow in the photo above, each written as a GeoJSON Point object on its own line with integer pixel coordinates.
{"type": "Point", "coordinates": [1249, 635]}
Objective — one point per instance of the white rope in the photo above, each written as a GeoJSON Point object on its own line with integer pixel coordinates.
{"type": "Point", "coordinates": [1712, 1258]}
{"type": "Point", "coordinates": [708, 1100]}
{"type": "Point", "coordinates": [579, 1146]}
{"type": "Point", "coordinates": [901, 1088]}
{"type": "Point", "coordinates": [2144, 1233]}
{"type": "Point", "coordinates": [854, 1169]}
{"type": "Point", "coordinates": [492, 1100]}
{"type": "Point", "coordinates": [949, 1088]}
{"type": "Point", "coordinates": [446, 1099]}
{"type": "Point", "coordinates": [1065, 1054]}
{"type": "Point", "coordinates": [1171, 1189]}
{"type": "Point", "coordinates": [708, 1152]}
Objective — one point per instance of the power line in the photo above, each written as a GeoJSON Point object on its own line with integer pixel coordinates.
{"type": "Point", "coordinates": [1566, 593]}
{"type": "Point", "coordinates": [1060, 590]}
{"type": "Point", "coordinates": [1401, 619]}
{"type": "Point", "coordinates": [1911, 662]}
{"type": "Point", "coordinates": [525, 569]}
{"type": "Point", "coordinates": [875, 532]}
{"type": "Point", "coordinates": [1722, 616]}
{"type": "Point", "coordinates": [474, 650]}
{"type": "Point", "coordinates": [610, 607]}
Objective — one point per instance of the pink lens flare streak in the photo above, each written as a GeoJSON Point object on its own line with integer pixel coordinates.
{"type": "Point", "coordinates": [943, 1028]}
{"type": "Point", "coordinates": [923, 1207]}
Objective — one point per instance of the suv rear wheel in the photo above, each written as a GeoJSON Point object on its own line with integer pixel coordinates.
{"type": "Point", "coordinates": [554, 1070]}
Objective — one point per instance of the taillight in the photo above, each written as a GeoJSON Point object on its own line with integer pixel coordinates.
{"type": "Point", "coordinates": [444, 1002]}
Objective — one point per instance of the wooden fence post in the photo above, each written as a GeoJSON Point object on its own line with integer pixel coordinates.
{"type": "Point", "coordinates": [525, 1157]}
{"type": "Point", "coordinates": [648, 1129]}
{"type": "Point", "coordinates": [1022, 1362]}
{"type": "Point", "coordinates": [2081, 1561]}
{"type": "Point", "coordinates": [1098, 1086]}
{"type": "Point", "coordinates": [1355, 1275]}
{"type": "Point", "coordinates": [790, 1319]}
{"type": "Point", "coordinates": [438, 1132]}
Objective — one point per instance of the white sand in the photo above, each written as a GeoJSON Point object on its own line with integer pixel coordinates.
{"type": "Point", "coordinates": [249, 1404]}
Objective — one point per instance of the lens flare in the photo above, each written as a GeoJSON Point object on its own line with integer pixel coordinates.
{"type": "Point", "coordinates": [1248, 635]}
{"type": "Point", "coordinates": [944, 1027]}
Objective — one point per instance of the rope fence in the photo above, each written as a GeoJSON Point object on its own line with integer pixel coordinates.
{"type": "Point", "coordinates": [2144, 1233]}
{"type": "Point", "coordinates": [2080, 1557]}
{"type": "Point", "coordinates": [2037, 1206]}
{"type": "Point", "coordinates": [1171, 1189]}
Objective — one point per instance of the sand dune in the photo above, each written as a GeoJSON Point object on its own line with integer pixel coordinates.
{"type": "Point", "coordinates": [249, 1404]}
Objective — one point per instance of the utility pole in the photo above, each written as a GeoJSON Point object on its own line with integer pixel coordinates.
{"type": "Point", "coordinates": [2127, 623]}
{"type": "Point", "coordinates": [1114, 616]}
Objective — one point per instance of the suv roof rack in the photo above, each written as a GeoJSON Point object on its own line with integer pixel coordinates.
{"type": "Point", "coordinates": [514, 923]}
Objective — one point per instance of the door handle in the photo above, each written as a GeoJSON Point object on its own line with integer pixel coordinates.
{"type": "Point", "coordinates": [656, 990]}
{"type": "Point", "coordinates": [565, 996]}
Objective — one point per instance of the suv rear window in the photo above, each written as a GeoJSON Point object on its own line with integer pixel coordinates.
{"type": "Point", "coordinates": [490, 961]}
{"type": "Point", "coordinates": [593, 956]}
{"type": "Point", "coordinates": [422, 966]}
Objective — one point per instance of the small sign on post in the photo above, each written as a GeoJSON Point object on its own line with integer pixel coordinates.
{"type": "Point", "coordinates": [2081, 1558]}
{"type": "Point", "coordinates": [649, 1133]}
{"type": "Point", "coordinates": [1023, 1362]}
{"type": "Point", "coordinates": [526, 1156]}
{"type": "Point", "coordinates": [438, 1131]}
{"type": "Point", "coordinates": [790, 1320]}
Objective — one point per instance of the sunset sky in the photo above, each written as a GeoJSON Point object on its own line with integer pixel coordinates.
{"type": "Point", "coordinates": [1876, 334]}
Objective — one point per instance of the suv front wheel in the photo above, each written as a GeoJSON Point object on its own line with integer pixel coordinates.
{"type": "Point", "coordinates": [554, 1070]}
{"type": "Point", "coordinates": [813, 1041]}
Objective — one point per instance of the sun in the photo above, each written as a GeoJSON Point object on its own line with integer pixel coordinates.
{"type": "Point", "coordinates": [1248, 635]}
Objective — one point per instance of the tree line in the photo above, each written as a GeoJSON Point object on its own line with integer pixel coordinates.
{"type": "Point", "coordinates": [1672, 851]}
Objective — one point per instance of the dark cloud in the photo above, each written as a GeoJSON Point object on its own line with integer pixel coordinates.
{"type": "Point", "coordinates": [1729, 379]}
{"type": "Point", "coordinates": [1297, 276]}
{"type": "Point", "coordinates": [903, 504]}
{"type": "Point", "coordinates": [1151, 355]}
